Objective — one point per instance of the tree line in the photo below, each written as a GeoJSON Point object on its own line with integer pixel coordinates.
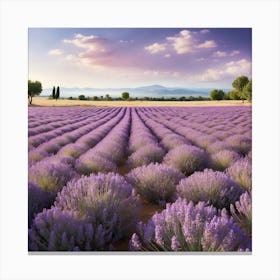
{"type": "Point", "coordinates": [242, 90]}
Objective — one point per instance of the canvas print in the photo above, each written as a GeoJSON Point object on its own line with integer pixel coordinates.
{"type": "Point", "coordinates": [140, 139]}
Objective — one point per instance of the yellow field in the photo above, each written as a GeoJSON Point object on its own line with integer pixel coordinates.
{"type": "Point", "coordinates": [44, 101]}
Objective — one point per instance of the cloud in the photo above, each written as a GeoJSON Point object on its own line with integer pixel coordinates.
{"type": "Point", "coordinates": [89, 43]}
{"type": "Point", "coordinates": [55, 52]}
{"type": "Point", "coordinates": [167, 55]}
{"type": "Point", "coordinates": [207, 44]}
{"type": "Point", "coordinates": [182, 43]}
{"type": "Point", "coordinates": [240, 67]}
{"type": "Point", "coordinates": [219, 54]}
{"type": "Point", "coordinates": [185, 42]}
{"type": "Point", "coordinates": [224, 54]}
{"type": "Point", "coordinates": [230, 69]}
{"type": "Point", "coordinates": [155, 48]}
{"type": "Point", "coordinates": [204, 31]}
{"type": "Point", "coordinates": [235, 52]}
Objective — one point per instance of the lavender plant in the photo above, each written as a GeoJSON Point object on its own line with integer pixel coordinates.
{"type": "Point", "coordinates": [156, 182]}
{"type": "Point", "coordinates": [50, 176]}
{"type": "Point", "coordinates": [240, 143]}
{"type": "Point", "coordinates": [223, 159]}
{"type": "Point", "coordinates": [93, 163]}
{"type": "Point", "coordinates": [62, 230]}
{"type": "Point", "coordinates": [209, 186]}
{"type": "Point", "coordinates": [38, 199]}
{"type": "Point", "coordinates": [241, 173]}
{"type": "Point", "coordinates": [145, 155]}
{"type": "Point", "coordinates": [105, 199]}
{"type": "Point", "coordinates": [187, 159]}
{"type": "Point", "coordinates": [242, 212]}
{"type": "Point", "coordinates": [73, 150]}
{"type": "Point", "coordinates": [184, 226]}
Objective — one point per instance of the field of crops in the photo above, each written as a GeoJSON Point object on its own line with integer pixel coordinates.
{"type": "Point", "coordinates": [139, 179]}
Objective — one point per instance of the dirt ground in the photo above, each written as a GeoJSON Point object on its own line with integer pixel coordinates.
{"type": "Point", "coordinates": [44, 101]}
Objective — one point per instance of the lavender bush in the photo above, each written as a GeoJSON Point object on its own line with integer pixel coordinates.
{"type": "Point", "coordinates": [240, 143]}
{"type": "Point", "coordinates": [210, 186]}
{"type": "Point", "coordinates": [105, 199]}
{"type": "Point", "coordinates": [242, 212]}
{"type": "Point", "coordinates": [187, 159]}
{"type": "Point", "coordinates": [38, 199]}
{"type": "Point", "coordinates": [173, 140]}
{"type": "Point", "coordinates": [63, 230]}
{"type": "Point", "coordinates": [184, 226]}
{"type": "Point", "coordinates": [50, 176]}
{"type": "Point", "coordinates": [73, 150]}
{"type": "Point", "coordinates": [156, 182]}
{"type": "Point", "coordinates": [93, 163]}
{"type": "Point", "coordinates": [241, 173]}
{"type": "Point", "coordinates": [223, 159]}
{"type": "Point", "coordinates": [145, 155]}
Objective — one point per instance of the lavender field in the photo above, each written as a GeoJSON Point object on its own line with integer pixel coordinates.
{"type": "Point", "coordinates": [140, 179]}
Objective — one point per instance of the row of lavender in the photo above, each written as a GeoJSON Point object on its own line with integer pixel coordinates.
{"type": "Point", "coordinates": [197, 159]}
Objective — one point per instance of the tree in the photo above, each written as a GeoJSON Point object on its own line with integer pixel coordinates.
{"type": "Point", "coordinates": [239, 83]}
{"type": "Point", "coordinates": [247, 91]}
{"type": "Point", "coordinates": [125, 95]}
{"type": "Point", "coordinates": [95, 98]}
{"type": "Point", "coordinates": [53, 93]}
{"type": "Point", "coordinates": [57, 93]}
{"type": "Point", "coordinates": [34, 88]}
{"type": "Point", "coordinates": [217, 94]}
{"type": "Point", "coordinates": [81, 97]}
{"type": "Point", "coordinates": [107, 97]}
{"type": "Point", "coordinates": [234, 95]}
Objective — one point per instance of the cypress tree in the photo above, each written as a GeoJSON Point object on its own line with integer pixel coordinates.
{"type": "Point", "coordinates": [57, 93]}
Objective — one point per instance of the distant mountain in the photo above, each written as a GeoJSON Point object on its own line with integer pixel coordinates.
{"type": "Point", "coordinates": [149, 91]}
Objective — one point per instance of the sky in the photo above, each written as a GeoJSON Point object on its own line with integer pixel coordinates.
{"type": "Point", "coordinates": [132, 57]}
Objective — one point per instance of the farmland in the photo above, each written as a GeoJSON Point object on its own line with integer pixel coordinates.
{"type": "Point", "coordinates": [139, 178]}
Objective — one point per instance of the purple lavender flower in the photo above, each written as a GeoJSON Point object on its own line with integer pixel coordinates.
{"type": "Point", "coordinates": [241, 173]}
{"type": "Point", "coordinates": [187, 159]}
{"type": "Point", "coordinates": [145, 155]}
{"type": "Point", "coordinates": [105, 199]}
{"type": "Point", "coordinates": [222, 234]}
{"type": "Point", "coordinates": [209, 186]}
{"type": "Point", "coordinates": [38, 199]}
{"type": "Point", "coordinates": [218, 146]}
{"type": "Point", "coordinates": [242, 212]}
{"type": "Point", "coordinates": [184, 226]}
{"type": "Point", "coordinates": [50, 176]}
{"type": "Point", "coordinates": [172, 140]}
{"type": "Point", "coordinates": [240, 143]}
{"type": "Point", "coordinates": [93, 163]}
{"type": "Point", "coordinates": [73, 150]}
{"type": "Point", "coordinates": [156, 182]}
{"type": "Point", "coordinates": [62, 230]}
{"type": "Point", "coordinates": [223, 159]}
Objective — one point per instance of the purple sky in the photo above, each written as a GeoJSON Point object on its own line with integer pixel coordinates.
{"type": "Point", "coordinates": [131, 57]}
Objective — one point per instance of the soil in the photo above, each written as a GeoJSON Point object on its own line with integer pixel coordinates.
{"type": "Point", "coordinates": [147, 210]}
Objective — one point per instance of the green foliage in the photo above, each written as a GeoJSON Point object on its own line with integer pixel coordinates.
{"type": "Point", "coordinates": [239, 84]}
{"type": "Point", "coordinates": [107, 97]}
{"type": "Point", "coordinates": [81, 97]}
{"type": "Point", "coordinates": [34, 88]}
{"type": "Point", "coordinates": [234, 95]}
{"type": "Point", "coordinates": [247, 91]}
{"type": "Point", "coordinates": [217, 94]}
{"type": "Point", "coordinates": [53, 93]}
{"type": "Point", "coordinates": [57, 93]}
{"type": "Point", "coordinates": [95, 98]}
{"type": "Point", "coordinates": [125, 95]}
